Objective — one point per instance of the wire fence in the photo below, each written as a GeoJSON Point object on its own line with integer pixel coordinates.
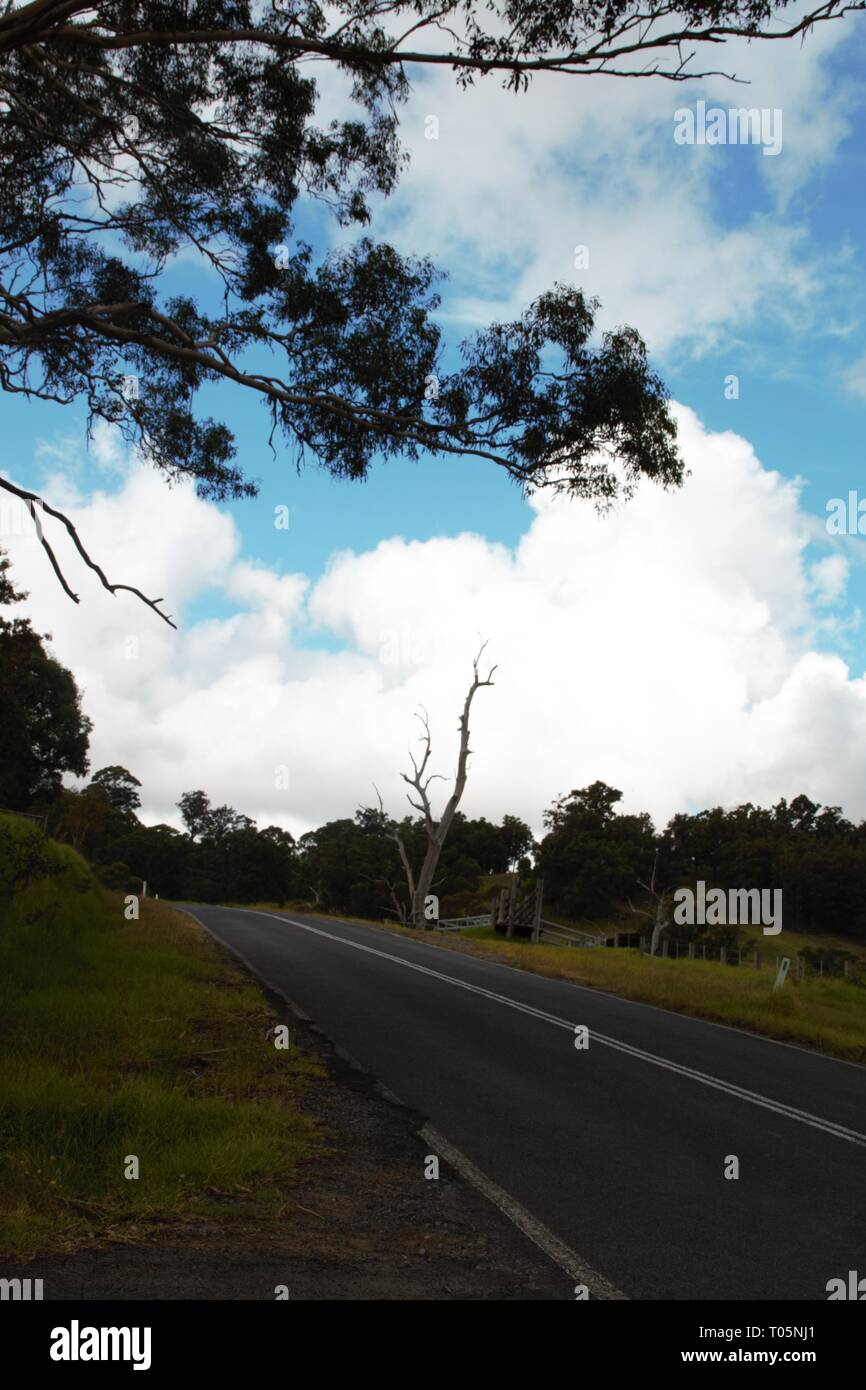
{"type": "Point", "coordinates": [814, 965]}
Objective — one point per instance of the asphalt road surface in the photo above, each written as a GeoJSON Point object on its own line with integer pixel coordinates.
{"type": "Point", "coordinates": [620, 1148]}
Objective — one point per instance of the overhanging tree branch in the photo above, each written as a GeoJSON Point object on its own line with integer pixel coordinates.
{"type": "Point", "coordinates": [132, 131]}
{"type": "Point", "coordinates": [34, 505]}
{"type": "Point", "coordinates": [599, 37]}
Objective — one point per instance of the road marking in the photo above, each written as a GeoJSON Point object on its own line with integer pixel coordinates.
{"type": "Point", "coordinates": [556, 1250]}
{"type": "Point", "coordinates": [576, 1268]}
{"type": "Point", "coordinates": [738, 1092]}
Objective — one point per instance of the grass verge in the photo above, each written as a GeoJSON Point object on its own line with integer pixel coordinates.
{"type": "Point", "coordinates": [827, 1014]}
{"type": "Point", "coordinates": [130, 1038]}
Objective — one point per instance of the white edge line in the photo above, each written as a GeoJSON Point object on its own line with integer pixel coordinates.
{"type": "Point", "coordinates": [555, 1250]}
{"type": "Point", "coordinates": [561, 1255]}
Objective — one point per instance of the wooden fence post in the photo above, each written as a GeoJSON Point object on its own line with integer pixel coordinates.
{"type": "Point", "coordinates": [536, 924]}
{"type": "Point", "coordinates": [512, 895]}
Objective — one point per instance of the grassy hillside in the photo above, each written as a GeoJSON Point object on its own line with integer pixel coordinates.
{"type": "Point", "coordinates": [128, 1038]}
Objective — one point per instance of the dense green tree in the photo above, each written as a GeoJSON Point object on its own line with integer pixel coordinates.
{"type": "Point", "coordinates": [119, 788]}
{"type": "Point", "coordinates": [253, 866]}
{"type": "Point", "coordinates": [43, 731]}
{"type": "Point", "coordinates": [158, 855]}
{"type": "Point", "coordinates": [812, 853]}
{"type": "Point", "coordinates": [348, 865]}
{"type": "Point", "coordinates": [193, 125]}
{"type": "Point", "coordinates": [517, 841]}
{"type": "Point", "coordinates": [8, 592]}
{"type": "Point", "coordinates": [81, 819]}
{"type": "Point", "coordinates": [194, 808]}
{"type": "Point", "coordinates": [591, 858]}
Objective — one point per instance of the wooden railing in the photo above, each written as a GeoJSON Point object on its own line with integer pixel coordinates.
{"type": "Point", "coordinates": [458, 923]}
{"type": "Point", "coordinates": [570, 936]}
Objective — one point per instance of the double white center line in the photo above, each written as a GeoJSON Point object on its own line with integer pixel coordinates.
{"type": "Point", "coordinates": [790, 1112]}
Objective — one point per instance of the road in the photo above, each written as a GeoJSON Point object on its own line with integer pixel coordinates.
{"type": "Point", "coordinates": [620, 1148]}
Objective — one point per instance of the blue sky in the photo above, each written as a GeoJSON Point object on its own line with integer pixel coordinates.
{"type": "Point", "coordinates": [726, 260]}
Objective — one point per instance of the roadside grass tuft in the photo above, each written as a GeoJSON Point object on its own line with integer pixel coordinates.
{"type": "Point", "coordinates": [133, 1038]}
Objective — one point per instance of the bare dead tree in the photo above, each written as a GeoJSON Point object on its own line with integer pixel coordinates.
{"type": "Point", "coordinates": [399, 908]}
{"type": "Point", "coordinates": [659, 918]}
{"type": "Point", "coordinates": [392, 830]}
{"type": "Point", "coordinates": [419, 780]}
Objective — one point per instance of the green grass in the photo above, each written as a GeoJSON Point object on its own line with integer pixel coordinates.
{"type": "Point", "coordinates": [131, 1038]}
{"type": "Point", "coordinates": [826, 1014]}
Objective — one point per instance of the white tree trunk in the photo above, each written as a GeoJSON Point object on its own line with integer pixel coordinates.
{"type": "Point", "coordinates": [660, 923]}
{"type": "Point", "coordinates": [420, 888]}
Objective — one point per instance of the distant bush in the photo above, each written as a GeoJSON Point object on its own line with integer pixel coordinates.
{"type": "Point", "coordinates": [117, 877]}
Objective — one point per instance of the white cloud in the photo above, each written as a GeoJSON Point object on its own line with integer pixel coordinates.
{"type": "Point", "coordinates": [829, 577]}
{"type": "Point", "coordinates": [513, 184]}
{"type": "Point", "coordinates": [854, 378]}
{"type": "Point", "coordinates": [669, 648]}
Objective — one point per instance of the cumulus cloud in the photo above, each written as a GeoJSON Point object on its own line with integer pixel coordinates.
{"type": "Point", "coordinates": [674, 648]}
{"type": "Point", "coordinates": [511, 186]}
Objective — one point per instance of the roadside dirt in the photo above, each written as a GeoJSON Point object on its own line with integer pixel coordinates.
{"type": "Point", "coordinates": [363, 1223]}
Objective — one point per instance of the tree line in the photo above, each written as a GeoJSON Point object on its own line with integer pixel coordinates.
{"type": "Point", "coordinates": [597, 862]}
